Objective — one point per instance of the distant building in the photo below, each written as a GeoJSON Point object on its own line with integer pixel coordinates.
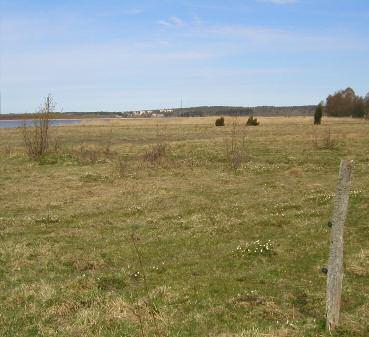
{"type": "Point", "coordinates": [166, 110]}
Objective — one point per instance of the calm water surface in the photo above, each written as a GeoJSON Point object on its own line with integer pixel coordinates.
{"type": "Point", "coordinates": [54, 122]}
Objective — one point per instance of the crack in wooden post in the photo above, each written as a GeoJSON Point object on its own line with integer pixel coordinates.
{"type": "Point", "coordinates": [335, 262]}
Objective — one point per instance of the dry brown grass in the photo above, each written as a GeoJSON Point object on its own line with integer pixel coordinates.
{"type": "Point", "coordinates": [66, 258]}
{"type": "Point", "coordinates": [297, 172]}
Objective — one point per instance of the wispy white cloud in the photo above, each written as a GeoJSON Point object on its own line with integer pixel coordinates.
{"type": "Point", "coordinates": [242, 38]}
{"type": "Point", "coordinates": [173, 21]}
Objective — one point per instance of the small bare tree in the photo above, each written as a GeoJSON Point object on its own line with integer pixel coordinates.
{"type": "Point", "coordinates": [36, 136]}
{"type": "Point", "coordinates": [235, 147]}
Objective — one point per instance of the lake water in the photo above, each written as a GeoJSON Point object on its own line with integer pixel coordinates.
{"type": "Point", "coordinates": [53, 122]}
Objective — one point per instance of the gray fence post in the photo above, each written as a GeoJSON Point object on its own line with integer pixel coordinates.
{"type": "Point", "coordinates": [335, 263]}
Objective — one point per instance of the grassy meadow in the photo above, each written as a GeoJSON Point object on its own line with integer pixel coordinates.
{"type": "Point", "coordinates": [175, 227]}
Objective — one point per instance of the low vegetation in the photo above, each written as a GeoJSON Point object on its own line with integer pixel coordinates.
{"type": "Point", "coordinates": [219, 121]}
{"type": "Point", "coordinates": [236, 146]}
{"type": "Point", "coordinates": [134, 228]}
{"type": "Point", "coordinates": [36, 135]}
{"type": "Point", "coordinates": [251, 121]}
{"type": "Point", "coordinates": [318, 114]}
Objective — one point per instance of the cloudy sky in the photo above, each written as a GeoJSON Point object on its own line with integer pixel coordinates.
{"type": "Point", "coordinates": [125, 55]}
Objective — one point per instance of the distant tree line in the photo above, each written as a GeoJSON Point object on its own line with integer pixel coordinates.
{"type": "Point", "coordinates": [213, 111]}
{"type": "Point", "coordinates": [345, 103]}
{"type": "Point", "coordinates": [202, 111]}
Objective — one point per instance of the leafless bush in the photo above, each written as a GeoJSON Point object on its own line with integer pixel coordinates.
{"type": "Point", "coordinates": [36, 136]}
{"type": "Point", "coordinates": [8, 150]}
{"type": "Point", "coordinates": [86, 154]}
{"type": "Point", "coordinates": [156, 153]}
{"type": "Point", "coordinates": [92, 154]}
{"type": "Point", "coordinates": [56, 144]}
{"type": "Point", "coordinates": [109, 142]}
{"type": "Point", "coordinates": [235, 147]}
{"type": "Point", "coordinates": [121, 167]}
{"type": "Point", "coordinates": [326, 141]}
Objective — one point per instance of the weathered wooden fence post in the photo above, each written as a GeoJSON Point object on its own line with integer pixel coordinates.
{"type": "Point", "coordinates": [335, 263]}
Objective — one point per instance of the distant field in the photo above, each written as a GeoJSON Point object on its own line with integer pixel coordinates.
{"type": "Point", "coordinates": [227, 225]}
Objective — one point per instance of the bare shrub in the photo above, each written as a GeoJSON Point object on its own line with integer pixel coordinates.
{"type": "Point", "coordinates": [56, 143]}
{"type": "Point", "coordinates": [36, 136]}
{"type": "Point", "coordinates": [121, 167]}
{"type": "Point", "coordinates": [329, 141]}
{"type": "Point", "coordinates": [235, 147]}
{"type": "Point", "coordinates": [91, 154]}
{"type": "Point", "coordinates": [8, 150]}
{"type": "Point", "coordinates": [109, 142]}
{"type": "Point", "coordinates": [156, 153]}
{"type": "Point", "coordinates": [87, 154]}
{"type": "Point", "coordinates": [325, 141]}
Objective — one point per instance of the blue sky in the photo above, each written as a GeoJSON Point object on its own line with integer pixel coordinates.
{"type": "Point", "coordinates": [127, 55]}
